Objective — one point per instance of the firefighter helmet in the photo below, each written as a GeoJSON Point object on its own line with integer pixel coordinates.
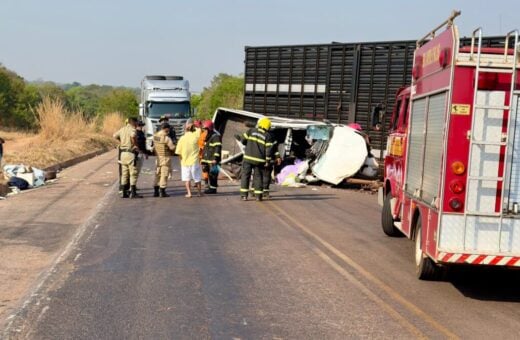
{"type": "Point", "coordinates": [264, 123]}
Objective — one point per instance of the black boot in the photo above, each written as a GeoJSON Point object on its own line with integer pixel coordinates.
{"type": "Point", "coordinates": [266, 195]}
{"type": "Point", "coordinates": [125, 190]}
{"type": "Point", "coordinates": [121, 189]}
{"type": "Point", "coordinates": [162, 193]}
{"type": "Point", "coordinates": [210, 191]}
{"type": "Point", "coordinates": [155, 191]}
{"type": "Point", "coordinates": [133, 192]}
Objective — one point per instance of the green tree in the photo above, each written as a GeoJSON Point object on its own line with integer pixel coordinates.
{"type": "Point", "coordinates": [195, 102]}
{"type": "Point", "coordinates": [85, 99]}
{"type": "Point", "coordinates": [51, 90]}
{"type": "Point", "coordinates": [119, 100]}
{"type": "Point", "coordinates": [224, 91]}
{"type": "Point", "coordinates": [15, 100]}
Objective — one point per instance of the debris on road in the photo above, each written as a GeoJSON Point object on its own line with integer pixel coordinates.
{"type": "Point", "coordinates": [21, 177]}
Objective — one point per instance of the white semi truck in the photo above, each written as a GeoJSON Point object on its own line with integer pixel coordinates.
{"type": "Point", "coordinates": [164, 96]}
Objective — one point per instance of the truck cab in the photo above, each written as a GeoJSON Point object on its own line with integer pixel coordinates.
{"type": "Point", "coordinates": [164, 96]}
{"type": "Point", "coordinates": [395, 161]}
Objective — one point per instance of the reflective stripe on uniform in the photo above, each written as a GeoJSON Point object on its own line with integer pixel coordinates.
{"type": "Point", "coordinates": [258, 192]}
{"type": "Point", "coordinates": [254, 158]}
{"type": "Point", "coordinates": [244, 190]}
{"type": "Point", "coordinates": [216, 154]}
{"type": "Point", "coordinates": [215, 144]}
{"type": "Point", "coordinates": [254, 139]}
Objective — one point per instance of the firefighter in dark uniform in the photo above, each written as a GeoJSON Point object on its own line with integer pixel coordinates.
{"type": "Point", "coordinates": [211, 157]}
{"type": "Point", "coordinates": [257, 156]}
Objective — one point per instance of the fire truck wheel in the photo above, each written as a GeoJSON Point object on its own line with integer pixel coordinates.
{"type": "Point", "coordinates": [425, 268]}
{"type": "Point", "coordinates": [387, 220]}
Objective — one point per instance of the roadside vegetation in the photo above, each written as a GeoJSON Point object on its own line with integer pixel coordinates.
{"type": "Point", "coordinates": [45, 123]}
{"type": "Point", "coordinates": [224, 91]}
{"type": "Point", "coordinates": [61, 135]}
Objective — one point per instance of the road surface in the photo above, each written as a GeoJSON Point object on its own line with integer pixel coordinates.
{"type": "Point", "coordinates": [312, 263]}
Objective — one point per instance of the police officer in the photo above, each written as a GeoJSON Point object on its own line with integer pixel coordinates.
{"type": "Point", "coordinates": [141, 153]}
{"type": "Point", "coordinates": [257, 156]}
{"type": "Point", "coordinates": [127, 147]}
{"type": "Point", "coordinates": [211, 157]}
{"type": "Point", "coordinates": [164, 149]}
{"type": "Point", "coordinates": [171, 133]}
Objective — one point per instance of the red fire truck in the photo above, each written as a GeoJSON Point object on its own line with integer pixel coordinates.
{"type": "Point", "coordinates": [452, 165]}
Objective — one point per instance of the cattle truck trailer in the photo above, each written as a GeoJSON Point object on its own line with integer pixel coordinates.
{"type": "Point", "coordinates": [452, 166]}
{"type": "Point", "coordinates": [339, 82]}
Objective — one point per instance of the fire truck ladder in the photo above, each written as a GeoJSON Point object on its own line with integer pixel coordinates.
{"type": "Point", "coordinates": [509, 66]}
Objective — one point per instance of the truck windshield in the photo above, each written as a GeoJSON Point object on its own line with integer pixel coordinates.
{"type": "Point", "coordinates": [174, 110]}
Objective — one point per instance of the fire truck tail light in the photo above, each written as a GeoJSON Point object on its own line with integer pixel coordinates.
{"type": "Point", "coordinates": [455, 204]}
{"type": "Point", "coordinates": [458, 168]}
{"type": "Point", "coordinates": [456, 186]}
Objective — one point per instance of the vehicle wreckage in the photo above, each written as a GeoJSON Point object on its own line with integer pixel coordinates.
{"type": "Point", "coordinates": [317, 151]}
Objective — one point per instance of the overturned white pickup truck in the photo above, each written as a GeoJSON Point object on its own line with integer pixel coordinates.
{"type": "Point", "coordinates": [333, 152]}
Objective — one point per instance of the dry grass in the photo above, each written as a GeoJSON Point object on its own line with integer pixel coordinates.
{"type": "Point", "coordinates": [57, 123]}
{"type": "Point", "coordinates": [62, 135]}
{"type": "Point", "coordinates": [111, 123]}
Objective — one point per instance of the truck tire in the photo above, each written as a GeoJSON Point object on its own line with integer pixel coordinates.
{"type": "Point", "coordinates": [425, 268]}
{"type": "Point", "coordinates": [387, 220]}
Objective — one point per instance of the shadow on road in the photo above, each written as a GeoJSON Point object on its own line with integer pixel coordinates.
{"type": "Point", "coordinates": [487, 284]}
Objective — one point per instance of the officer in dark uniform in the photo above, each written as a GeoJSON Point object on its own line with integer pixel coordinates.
{"type": "Point", "coordinates": [257, 156]}
{"type": "Point", "coordinates": [211, 155]}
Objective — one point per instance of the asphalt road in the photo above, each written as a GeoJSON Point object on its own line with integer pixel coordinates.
{"type": "Point", "coordinates": [312, 263]}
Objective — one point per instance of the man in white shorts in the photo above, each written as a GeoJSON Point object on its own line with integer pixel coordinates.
{"type": "Point", "coordinates": [188, 151]}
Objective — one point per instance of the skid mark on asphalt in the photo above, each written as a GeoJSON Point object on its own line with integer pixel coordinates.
{"type": "Point", "coordinates": [295, 224]}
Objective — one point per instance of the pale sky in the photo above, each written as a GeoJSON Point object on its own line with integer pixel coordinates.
{"type": "Point", "coordinates": [117, 42]}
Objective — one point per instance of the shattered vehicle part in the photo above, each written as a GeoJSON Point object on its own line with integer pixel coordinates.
{"type": "Point", "coordinates": [333, 152]}
{"type": "Point", "coordinates": [345, 154]}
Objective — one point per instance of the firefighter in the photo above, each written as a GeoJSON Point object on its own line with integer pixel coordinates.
{"type": "Point", "coordinates": [164, 149]}
{"type": "Point", "coordinates": [201, 142]}
{"type": "Point", "coordinates": [127, 146]}
{"type": "Point", "coordinates": [257, 156]}
{"type": "Point", "coordinates": [211, 157]}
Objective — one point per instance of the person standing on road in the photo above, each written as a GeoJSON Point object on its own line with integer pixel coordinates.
{"type": "Point", "coordinates": [211, 156]}
{"type": "Point", "coordinates": [164, 148]}
{"type": "Point", "coordinates": [188, 151]}
{"type": "Point", "coordinates": [257, 156]}
{"type": "Point", "coordinates": [202, 141]}
{"type": "Point", "coordinates": [171, 133]}
{"type": "Point", "coordinates": [127, 146]}
{"type": "Point", "coordinates": [141, 153]}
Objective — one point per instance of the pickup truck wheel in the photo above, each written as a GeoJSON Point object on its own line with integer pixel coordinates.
{"type": "Point", "coordinates": [387, 220]}
{"type": "Point", "coordinates": [425, 268]}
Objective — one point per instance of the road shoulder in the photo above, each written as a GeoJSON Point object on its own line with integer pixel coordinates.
{"type": "Point", "coordinates": [37, 227]}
